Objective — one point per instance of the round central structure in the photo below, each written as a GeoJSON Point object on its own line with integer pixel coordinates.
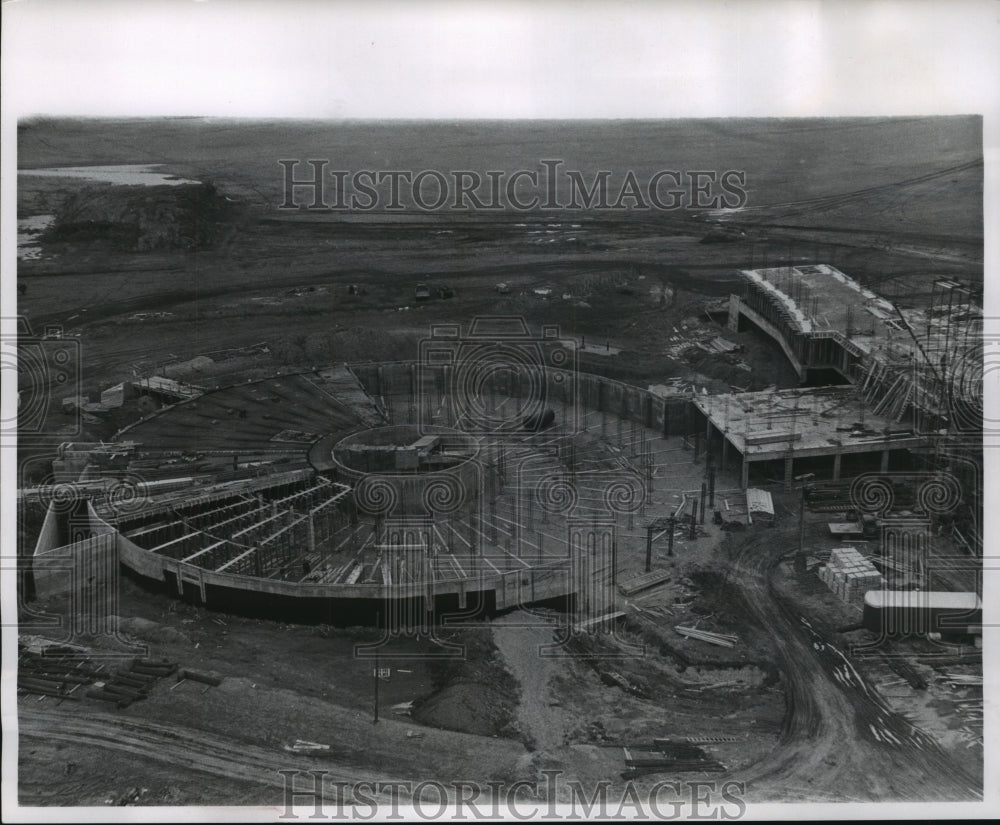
{"type": "Point", "coordinates": [406, 469]}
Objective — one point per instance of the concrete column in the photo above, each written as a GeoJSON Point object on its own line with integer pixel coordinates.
{"type": "Point", "coordinates": [884, 467]}
{"type": "Point", "coordinates": [788, 473]}
{"type": "Point", "coordinates": [725, 450]}
{"type": "Point", "coordinates": [836, 467]}
{"type": "Point", "coordinates": [411, 410]}
{"type": "Point", "coordinates": [745, 474]}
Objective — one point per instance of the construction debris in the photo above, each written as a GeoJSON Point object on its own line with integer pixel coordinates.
{"type": "Point", "coordinates": [721, 639]}
{"type": "Point", "coordinates": [303, 745]}
{"type": "Point", "coordinates": [643, 582]}
{"type": "Point", "coordinates": [665, 755]}
{"type": "Point", "coordinates": [850, 575]}
{"type": "Point", "coordinates": [597, 621]}
{"type": "Point", "coordinates": [198, 676]}
{"type": "Point", "coordinates": [963, 679]}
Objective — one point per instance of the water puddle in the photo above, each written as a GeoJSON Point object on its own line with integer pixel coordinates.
{"type": "Point", "coordinates": [28, 230]}
{"type": "Point", "coordinates": [132, 175]}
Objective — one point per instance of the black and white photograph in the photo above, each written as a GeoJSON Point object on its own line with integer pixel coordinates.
{"type": "Point", "coordinates": [506, 411]}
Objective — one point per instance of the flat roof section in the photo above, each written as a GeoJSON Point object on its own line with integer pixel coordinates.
{"type": "Point", "coordinates": [933, 599]}
{"type": "Point", "coordinates": [802, 422]}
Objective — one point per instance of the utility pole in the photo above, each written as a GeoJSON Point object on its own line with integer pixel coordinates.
{"type": "Point", "coordinates": [802, 517]}
{"type": "Point", "coordinates": [378, 618]}
{"type": "Point", "coordinates": [800, 559]}
{"type": "Point", "coordinates": [649, 546]}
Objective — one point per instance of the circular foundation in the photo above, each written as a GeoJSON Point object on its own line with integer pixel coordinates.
{"type": "Point", "coordinates": [408, 470]}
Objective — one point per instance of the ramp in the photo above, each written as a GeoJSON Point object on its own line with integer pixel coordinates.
{"type": "Point", "coordinates": [341, 384]}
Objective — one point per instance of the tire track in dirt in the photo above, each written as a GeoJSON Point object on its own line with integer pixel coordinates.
{"type": "Point", "coordinates": [821, 739]}
{"type": "Point", "coordinates": [191, 750]}
{"type": "Point", "coordinates": [521, 648]}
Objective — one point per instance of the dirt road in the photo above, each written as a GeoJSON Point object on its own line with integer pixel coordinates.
{"type": "Point", "coordinates": [837, 734]}
{"type": "Point", "coordinates": [520, 644]}
{"type": "Point", "coordinates": [185, 749]}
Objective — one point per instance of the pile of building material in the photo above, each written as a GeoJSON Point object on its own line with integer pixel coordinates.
{"type": "Point", "coordinates": [303, 745]}
{"type": "Point", "coordinates": [850, 575]}
{"type": "Point", "coordinates": [665, 756]}
{"type": "Point", "coordinates": [55, 671]}
{"type": "Point", "coordinates": [643, 581]}
{"type": "Point", "coordinates": [721, 639]}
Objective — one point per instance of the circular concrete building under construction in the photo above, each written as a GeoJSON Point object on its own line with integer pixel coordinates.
{"type": "Point", "coordinates": [324, 495]}
{"type": "Point", "coordinates": [488, 474]}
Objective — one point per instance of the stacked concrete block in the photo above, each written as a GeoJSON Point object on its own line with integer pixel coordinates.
{"type": "Point", "coordinates": [850, 575]}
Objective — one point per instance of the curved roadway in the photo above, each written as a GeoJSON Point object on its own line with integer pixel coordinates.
{"type": "Point", "coordinates": [838, 734]}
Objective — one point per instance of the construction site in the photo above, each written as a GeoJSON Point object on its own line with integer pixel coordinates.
{"type": "Point", "coordinates": [726, 530]}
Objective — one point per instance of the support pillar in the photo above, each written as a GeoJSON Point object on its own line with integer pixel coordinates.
{"type": "Point", "coordinates": [884, 466]}
{"type": "Point", "coordinates": [649, 547]}
{"type": "Point", "coordinates": [788, 473]}
{"type": "Point", "coordinates": [745, 474]}
{"type": "Point", "coordinates": [411, 406]}
{"type": "Point", "coordinates": [836, 467]}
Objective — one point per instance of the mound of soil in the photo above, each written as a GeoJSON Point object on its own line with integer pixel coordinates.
{"type": "Point", "coordinates": [470, 707]}
{"type": "Point", "coordinates": [475, 694]}
{"type": "Point", "coordinates": [149, 631]}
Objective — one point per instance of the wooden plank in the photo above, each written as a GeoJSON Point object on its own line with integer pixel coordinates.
{"type": "Point", "coordinates": [202, 552]}
{"type": "Point", "coordinates": [643, 582]}
{"type": "Point", "coordinates": [231, 562]}
{"type": "Point", "coordinates": [607, 617]}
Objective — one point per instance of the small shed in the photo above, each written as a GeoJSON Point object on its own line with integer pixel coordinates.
{"type": "Point", "coordinates": [760, 506]}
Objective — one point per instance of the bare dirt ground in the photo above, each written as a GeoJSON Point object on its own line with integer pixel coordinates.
{"type": "Point", "coordinates": [779, 709]}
